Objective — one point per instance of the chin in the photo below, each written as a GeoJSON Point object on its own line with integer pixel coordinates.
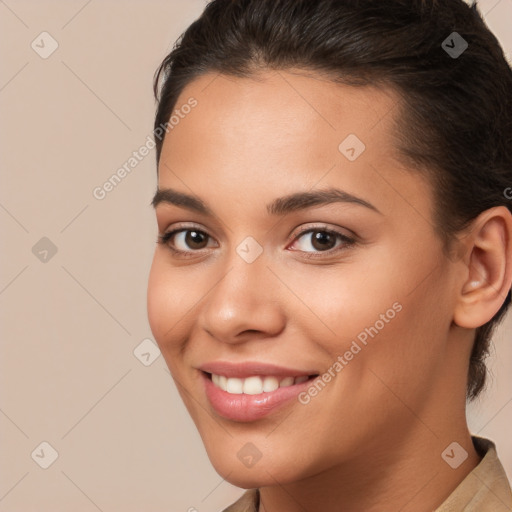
{"type": "Point", "coordinates": [250, 478]}
{"type": "Point", "coordinates": [229, 464]}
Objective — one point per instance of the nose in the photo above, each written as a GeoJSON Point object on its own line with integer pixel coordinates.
{"type": "Point", "coordinates": [244, 303]}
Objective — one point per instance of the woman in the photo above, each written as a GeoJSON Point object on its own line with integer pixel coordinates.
{"type": "Point", "coordinates": [335, 248]}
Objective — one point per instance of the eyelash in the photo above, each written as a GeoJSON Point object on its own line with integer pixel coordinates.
{"type": "Point", "coordinates": [348, 242]}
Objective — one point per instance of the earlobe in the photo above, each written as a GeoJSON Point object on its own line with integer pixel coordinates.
{"type": "Point", "coordinates": [488, 269]}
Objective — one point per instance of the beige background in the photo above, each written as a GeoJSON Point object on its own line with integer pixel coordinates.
{"type": "Point", "coordinates": [70, 324]}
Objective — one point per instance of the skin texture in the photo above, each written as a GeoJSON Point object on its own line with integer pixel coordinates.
{"type": "Point", "coordinates": [372, 439]}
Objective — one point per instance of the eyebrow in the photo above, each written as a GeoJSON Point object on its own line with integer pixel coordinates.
{"type": "Point", "coordinates": [280, 206]}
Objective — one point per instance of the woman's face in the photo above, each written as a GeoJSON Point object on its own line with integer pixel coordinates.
{"type": "Point", "coordinates": [349, 286]}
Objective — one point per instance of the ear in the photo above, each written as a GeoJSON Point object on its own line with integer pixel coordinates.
{"type": "Point", "coordinates": [487, 275]}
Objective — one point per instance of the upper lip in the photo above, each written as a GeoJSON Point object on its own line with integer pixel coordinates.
{"type": "Point", "coordinates": [249, 368]}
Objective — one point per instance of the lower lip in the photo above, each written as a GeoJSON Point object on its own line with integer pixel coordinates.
{"type": "Point", "coordinates": [242, 407]}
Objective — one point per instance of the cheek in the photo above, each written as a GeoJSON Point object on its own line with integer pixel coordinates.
{"type": "Point", "coordinates": [157, 301]}
{"type": "Point", "coordinates": [404, 355]}
{"type": "Point", "coordinates": [166, 298]}
{"type": "Point", "coordinates": [390, 316]}
{"type": "Point", "coordinates": [345, 301]}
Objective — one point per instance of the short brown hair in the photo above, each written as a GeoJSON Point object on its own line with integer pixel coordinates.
{"type": "Point", "coordinates": [456, 122]}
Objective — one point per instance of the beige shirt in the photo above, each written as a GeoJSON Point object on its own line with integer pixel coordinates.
{"type": "Point", "coordinates": [485, 489]}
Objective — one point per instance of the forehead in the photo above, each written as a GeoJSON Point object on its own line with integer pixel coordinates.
{"type": "Point", "coordinates": [284, 107]}
{"type": "Point", "coordinates": [284, 129]}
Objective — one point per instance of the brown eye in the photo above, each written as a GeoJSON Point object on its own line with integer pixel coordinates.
{"type": "Point", "coordinates": [323, 240]}
{"type": "Point", "coordinates": [195, 239]}
{"type": "Point", "coordinates": [315, 241]}
{"type": "Point", "coordinates": [185, 240]}
{"type": "Point", "coordinates": [319, 239]}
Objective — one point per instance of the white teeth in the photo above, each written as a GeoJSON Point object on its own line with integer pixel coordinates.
{"type": "Point", "coordinates": [235, 386]}
{"type": "Point", "coordinates": [270, 384]}
{"type": "Point", "coordinates": [287, 381]}
{"type": "Point", "coordinates": [254, 385]}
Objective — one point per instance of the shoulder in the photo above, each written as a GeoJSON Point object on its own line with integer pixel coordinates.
{"type": "Point", "coordinates": [486, 488]}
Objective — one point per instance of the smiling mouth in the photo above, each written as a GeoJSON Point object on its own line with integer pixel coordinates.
{"type": "Point", "coordinates": [255, 384]}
